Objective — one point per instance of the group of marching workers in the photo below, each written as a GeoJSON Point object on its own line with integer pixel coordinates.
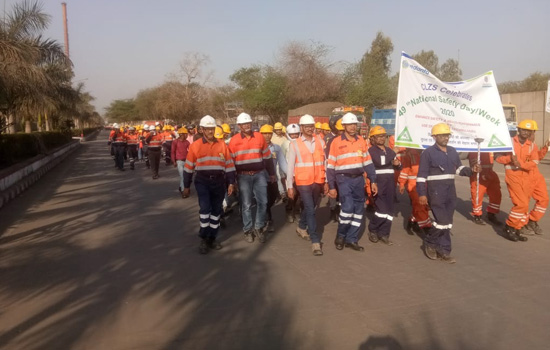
{"type": "Point", "coordinates": [303, 162]}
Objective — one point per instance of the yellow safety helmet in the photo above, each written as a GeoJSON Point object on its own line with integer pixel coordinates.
{"type": "Point", "coordinates": [339, 125]}
{"type": "Point", "coordinates": [528, 124]}
{"type": "Point", "coordinates": [377, 130]}
{"type": "Point", "coordinates": [266, 129]}
{"type": "Point", "coordinates": [226, 128]}
{"type": "Point", "coordinates": [325, 127]}
{"type": "Point", "coordinates": [278, 126]}
{"type": "Point", "coordinates": [182, 131]}
{"type": "Point", "coordinates": [441, 129]}
{"type": "Point", "coordinates": [121, 129]}
{"type": "Point", "coordinates": [157, 128]}
{"type": "Point", "coordinates": [318, 125]}
{"type": "Point", "coordinates": [218, 132]}
{"type": "Point", "coordinates": [284, 129]}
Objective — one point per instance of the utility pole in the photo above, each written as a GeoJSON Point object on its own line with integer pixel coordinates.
{"type": "Point", "coordinates": [66, 28]}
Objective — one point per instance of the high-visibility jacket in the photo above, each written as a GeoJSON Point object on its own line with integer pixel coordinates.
{"type": "Point", "coordinates": [410, 161]}
{"type": "Point", "coordinates": [119, 138]}
{"type": "Point", "coordinates": [168, 135]}
{"type": "Point", "coordinates": [133, 139]}
{"type": "Point", "coordinates": [349, 157]}
{"type": "Point", "coordinates": [309, 167]}
{"type": "Point", "coordinates": [251, 153]}
{"type": "Point", "coordinates": [155, 141]}
{"type": "Point", "coordinates": [209, 159]}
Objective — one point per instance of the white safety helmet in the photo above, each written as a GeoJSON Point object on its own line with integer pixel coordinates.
{"type": "Point", "coordinates": [293, 129]}
{"type": "Point", "coordinates": [349, 118]}
{"type": "Point", "coordinates": [306, 119]}
{"type": "Point", "coordinates": [132, 128]}
{"type": "Point", "coordinates": [207, 122]}
{"type": "Point", "coordinates": [244, 118]}
{"type": "Point", "coordinates": [115, 125]}
{"type": "Point", "coordinates": [146, 127]}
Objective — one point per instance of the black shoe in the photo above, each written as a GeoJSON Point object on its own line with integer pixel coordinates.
{"type": "Point", "coordinates": [222, 222]}
{"type": "Point", "coordinates": [386, 240]}
{"type": "Point", "coordinates": [339, 242]}
{"type": "Point", "coordinates": [355, 246]}
{"type": "Point", "coordinates": [373, 237]}
{"type": "Point", "coordinates": [203, 247]}
{"type": "Point", "coordinates": [534, 226]}
{"type": "Point", "coordinates": [270, 227]}
{"type": "Point", "coordinates": [520, 234]}
{"type": "Point", "coordinates": [155, 177]}
{"type": "Point", "coordinates": [477, 220]}
{"type": "Point", "coordinates": [260, 233]}
{"type": "Point", "coordinates": [492, 218]}
{"type": "Point", "coordinates": [430, 252]}
{"type": "Point", "coordinates": [510, 233]}
{"type": "Point", "coordinates": [334, 213]}
{"type": "Point", "coordinates": [213, 244]}
{"type": "Point", "coordinates": [410, 227]}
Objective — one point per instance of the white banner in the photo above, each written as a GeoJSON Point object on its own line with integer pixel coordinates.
{"type": "Point", "coordinates": [548, 98]}
{"type": "Point", "coordinates": [472, 108]}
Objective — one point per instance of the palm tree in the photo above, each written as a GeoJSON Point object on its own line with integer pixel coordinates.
{"type": "Point", "coordinates": [26, 59]}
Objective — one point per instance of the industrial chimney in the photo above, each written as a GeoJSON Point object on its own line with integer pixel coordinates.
{"type": "Point", "coordinates": [66, 28]}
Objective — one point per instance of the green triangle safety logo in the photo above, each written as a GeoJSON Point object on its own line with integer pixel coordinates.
{"type": "Point", "coordinates": [495, 142]}
{"type": "Point", "coordinates": [404, 136]}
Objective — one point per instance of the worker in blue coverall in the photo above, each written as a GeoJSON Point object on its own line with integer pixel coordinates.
{"type": "Point", "coordinates": [385, 163]}
{"type": "Point", "coordinates": [435, 185]}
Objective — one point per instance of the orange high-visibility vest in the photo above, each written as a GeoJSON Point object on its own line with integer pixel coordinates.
{"type": "Point", "coordinates": [133, 139]}
{"type": "Point", "coordinates": [156, 141]}
{"type": "Point", "coordinates": [309, 167]}
{"type": "Point", "coordinates": [211, 157]}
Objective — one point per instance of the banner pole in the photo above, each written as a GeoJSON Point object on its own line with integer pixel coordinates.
{"type": "Point", "coordinates": [479, 141]}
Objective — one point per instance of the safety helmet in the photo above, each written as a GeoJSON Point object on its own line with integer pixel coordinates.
{"type": "Point", "coordinates": [132, 128]}
{"type": "Point", "coordinates": [157, 128]}
{"type": "Point", "coordinates": [325, 127]}
{"type": "Point", "coordinates": [349, 118]}
{"type": "Point", "coordinates": [306, 119]}
{"type": "Point", "coordinates": [441, 129]}
{"type": "Point", "coordinates": [266, 129]}
{"type": "Point", "coordinates": [115, 125]}
{"type": "Point", "coordinates": [218, 133]}
{"type": "Point", "coordinates": [528, 124]}
{"type": "Point", "coordinates": [318, 125]}
{"type": "Point", "coordinates": [284, 129]}
{"type": "Point", "coordinates": [244, 118]}
{"type": "Point", "coordinates": [208, 122]}
{"type": "Point", "coordinates": [293, 129]}
{"type": "Point", "coordinates": [377, 130]}
{"type": "Point", "coordinates": [226, 128]}
{"type": "Point", "coordinates": [182, 131]}
{"type": "Point", "coordinates": [121, 129]}
{"type": "Point", "coordinates": [339, 125]}
{"type": "Point", "coordinates": [278, 126]}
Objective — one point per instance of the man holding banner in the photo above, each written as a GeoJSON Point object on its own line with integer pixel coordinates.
{"type": "Point", "coordinates": [435, 185]}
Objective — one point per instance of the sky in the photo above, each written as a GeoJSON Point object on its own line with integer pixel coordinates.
{"type": "Point", "coordinates": [119, 47]}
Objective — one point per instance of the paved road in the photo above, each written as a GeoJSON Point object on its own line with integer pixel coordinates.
{"type": "Point", "coordinates": [92, 258]}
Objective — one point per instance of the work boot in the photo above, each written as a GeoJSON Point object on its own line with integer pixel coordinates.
{"type": "Point", "coordinates": [430, 252]}
{"type": "Point", "coordinates": [203, 247]}
{"type": "Point", "coordinates": [213, 244]}
{"type": "Point", "coordinates": [373, 237]}
{"type": "Point", "coordinates": [410, 227]}
{"type": "Point", "coordinates": [260, 233]}
{"type": "Point", "coordinates": [289, 217]}
{"type": "Point", "coordinates": [477, 220]}
{"type": "Point", "coordinates": [446, 258]}
{"type": "Point", "coordinates": [270, 227]}
{"type": "Point", "coordinates": [302, 233]}
{"type": "Point", "coordinates": [334, 214]}
{"type": "Point", "coordinates": [510, 233]}
{"type": "Point", "coordinates": [386, 240]}
{"type": "Point", "coordinates": [249, 236]}
{"type": "Point", "coordinates": [355, 247]}
{"type": "Point", "coordinates": [534, 226]}
{"type": "Point", "coordinates": [492, 218]}
{"type": "Point", "coordinates": [316, 249]}
{"type": "Point", "coordinates": [339, 242]}
{"type": "Point", "coordinates": [525, 231]}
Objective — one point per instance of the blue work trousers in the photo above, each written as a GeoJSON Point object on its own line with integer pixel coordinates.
{"type": "Point", "coordinates": [383, 205]}
{"type": "Point", "coordinates": [210, 192]}
{"type": "Point", "coordinates": [253, 186]}
{"type": "Point", "coordinates": [352, 206]}
{"type": "Point", "coordinates": [311, 196]}
{"type": "Point", "coordinates": [442, 201]}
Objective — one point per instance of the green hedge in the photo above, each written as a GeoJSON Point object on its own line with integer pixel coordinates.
{"type": "Point", "coordinates": [85, 131]}
{"type": "Point", "coordinates": [15, 148]}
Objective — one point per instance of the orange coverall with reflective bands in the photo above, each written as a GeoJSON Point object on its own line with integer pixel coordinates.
{"type": "Point", "coordinates": [540, 193]}
{"type": "Point", "coordinates": [407, 179]}
{"type": "Point", "coordinates": [488, 183]}
{"type": "Point", "coordinates": [520, 180]}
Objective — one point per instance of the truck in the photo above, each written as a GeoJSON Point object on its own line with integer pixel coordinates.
{"type": "Point", "coordinates": [359, 111]}
{"type": "Point", "coordinates": [511, 114]}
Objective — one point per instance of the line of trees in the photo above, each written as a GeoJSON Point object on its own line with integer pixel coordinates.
{"type": "Point", "coordinates": [301, 74]}
{"type": "Point", "coordinates": [36, 77]}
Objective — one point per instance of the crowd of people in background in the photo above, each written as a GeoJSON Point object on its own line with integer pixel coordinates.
{"type": "Point", "coordinates": [301, 163]}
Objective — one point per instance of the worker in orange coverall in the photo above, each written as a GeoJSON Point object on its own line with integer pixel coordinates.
{"type": "Point", "coordinates": [489, 184]}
